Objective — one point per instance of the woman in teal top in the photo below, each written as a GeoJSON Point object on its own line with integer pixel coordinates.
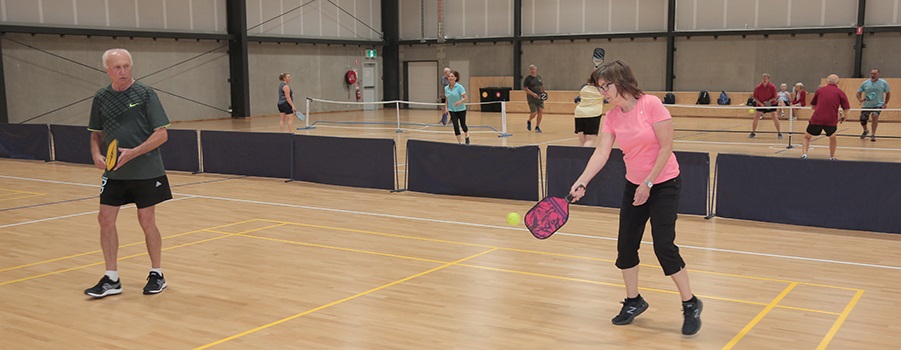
{"type": "Point", "coordinates": [456, 99]}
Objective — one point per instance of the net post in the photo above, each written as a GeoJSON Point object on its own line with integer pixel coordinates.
{"type": "Point", "coordinates": [791, 112]}
{"type": "Point", "coordinates": [504, 120]}
{"type": "Point", "coordinates": [397, 107]}
{"type": "Point", "coordinates": [306, 122]}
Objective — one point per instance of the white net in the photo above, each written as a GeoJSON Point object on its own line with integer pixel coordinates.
{"type": "Point", "coordinates": [406, 117]}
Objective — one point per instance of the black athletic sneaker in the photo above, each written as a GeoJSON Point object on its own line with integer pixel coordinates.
{"type": "Point", "coordinates": [864, 135]}
{"type": "Point", "coordinates": [631, 309]}
{"type": "Point", "coordinates": [467, 140]}
{"type": "Point", "coordinates": [105, 287]}
{"type": "Point", "coordinates": [155, 283]}
{"type": "Point", "coordinates": [529, 125]}
{"type": "Point", "coordinates": [752, 135]}
{"type": "Point", "coordinates": [692, 313]}
{"type": "Point", "coordinates": [780, 136]}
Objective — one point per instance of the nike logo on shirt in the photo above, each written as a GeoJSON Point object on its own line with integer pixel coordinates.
{"type": "Point", "coordinates": [133, 104]}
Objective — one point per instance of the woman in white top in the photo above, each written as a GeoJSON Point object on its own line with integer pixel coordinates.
{"type": "Point", "coordinates": [589, 109]}
{"type": "Point", "coordinates": [783, 98]}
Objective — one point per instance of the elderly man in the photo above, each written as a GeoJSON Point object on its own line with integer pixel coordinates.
{"type": "Point", "coordinates": [129, 113]}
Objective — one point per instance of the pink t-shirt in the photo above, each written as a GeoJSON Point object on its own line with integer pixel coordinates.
{"type": "Point", "coordinates": [635, 135]}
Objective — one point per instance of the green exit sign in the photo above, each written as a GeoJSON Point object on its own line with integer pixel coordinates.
{"type": "Point", "coordinates": [371, 54]}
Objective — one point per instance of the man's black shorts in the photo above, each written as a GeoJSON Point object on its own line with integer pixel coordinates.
{"type": "Point", "coordinates": [865, 115]}
{"type": "Point", "coordinates": [816, 130]}
{"type": "Point", "coordinates": [143, 193]}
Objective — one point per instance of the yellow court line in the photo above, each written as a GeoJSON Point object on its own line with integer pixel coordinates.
{"type": "Point", "coordinates": [381, 234]}
{"type": "Point", "coordinates": [101, 262]}
{"type": "Point", "coordinates": [121, 246]}
{"type": "Point", "coordinates": [286, 319]}
{"type": "Point", "coordinates": [345, 249]}
{"type": "Point", "coordinates": [20, 197]}
{"type": "Point", "coordinates": [544, 253]}
{"type": "Point", "coordinates": [18, 191]}
{"type": "Point", "coordinates": [759, 316]}
{"type": "Point", "coordinates": [841, 319]}
{"type": "Point", "coordinates": [739, 301]}
{"type": "Point", "coordinates": [573, 279]}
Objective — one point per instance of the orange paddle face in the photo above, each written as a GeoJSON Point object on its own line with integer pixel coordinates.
{"type": "Point", "coordinates": [112, 155]}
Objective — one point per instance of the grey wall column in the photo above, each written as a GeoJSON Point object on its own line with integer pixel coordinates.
{"type": "Point", "coordinates": [517, 44]}
{"type": "Point", "coordinates": [858, 44]}
{"type": "Point", "coordinates": [236, 13]}
{"type": "Point", "coordinates": [391, 54]}
{"type": "Point", "coordinates": [4, 111]}
{"type": "Point", "coordinates": [670, 45]}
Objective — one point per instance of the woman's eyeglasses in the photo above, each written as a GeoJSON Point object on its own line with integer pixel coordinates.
{"type": "Point", "coordinates": [604, 87]}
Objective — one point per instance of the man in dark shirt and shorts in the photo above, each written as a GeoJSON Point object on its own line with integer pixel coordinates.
{"type": "Point", "coordinates": [825, 103]}
{"type": "Point", "coordinates": [130, 113]}
{"type": "Point", "coordinates": [534, 87]}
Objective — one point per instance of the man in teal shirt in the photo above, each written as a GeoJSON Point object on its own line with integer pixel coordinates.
{"type": "Point", "coordinates": [872, 94]}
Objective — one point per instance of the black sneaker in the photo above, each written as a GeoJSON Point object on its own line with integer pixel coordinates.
{"type": "Point", "coordinates": [155, 283]}
{"type": "Point", "coordinates": [864, 135]}
{"type": "Point", "coordinates": [780, 136]}
{"type": "Point", "coordinates": [529, 125]}
{"type": "Point", "coordinates": [467, 140]}
{"type": "Point", "coordinates": [752, 135]}
{"type": "Point", "coordinates": [873, 139]}
{"type": "Point", "coordinates": [537, 129]}
{"type": "Point", "coordinates": [105, 287]}
{"type": "Point", "coordinates": [631, 309]}
{"type": "Point", "coordinates": [692, 313]}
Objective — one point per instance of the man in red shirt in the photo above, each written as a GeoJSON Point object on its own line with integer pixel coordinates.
{"type": "Point", "coordinates": [825, 103]}
{"type": "Point", "coordinates": [765, 96]}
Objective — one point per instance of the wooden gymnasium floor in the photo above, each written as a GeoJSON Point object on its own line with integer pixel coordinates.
{"type": "Point", "coordinates": [255, 263]}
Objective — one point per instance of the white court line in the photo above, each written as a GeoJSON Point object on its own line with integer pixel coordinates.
{"type": "Point", "coordinates": [558, 233]}
{"type": "Point", "coordinates": [50, 181]}
{"type": "Point", "coordinates": [74, 215]}
{"type": "Point", "coordinates": [189, 196]}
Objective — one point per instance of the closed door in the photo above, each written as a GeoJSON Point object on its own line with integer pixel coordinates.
{"type": "Point", "coordinates": [422, 83]}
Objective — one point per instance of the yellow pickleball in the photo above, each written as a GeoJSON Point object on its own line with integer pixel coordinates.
{"type": "Point", "coordinates": [513, 218]}
{"type": "Point", "coordinates": [751, 111]}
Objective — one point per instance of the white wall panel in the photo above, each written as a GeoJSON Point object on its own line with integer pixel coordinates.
{"type": "Point", "coordinates": [806, 13]}
{"type": "Point", "coordinates": [151, 13]}
{"type": "Point", "coordinates": [123, 14]}
{"type": "Point", "coordinates": [652, 15]}
{"type": "Point", "coordinates": [22, 11]}
{"type": "Point", "coordinates": [91, 13]}
{"type": "Point", "coordinates": [58, 12]}
{"type": "Point", "coordinates": [476, 25]}
{"type": "Point", "coordinates": [882, 12]}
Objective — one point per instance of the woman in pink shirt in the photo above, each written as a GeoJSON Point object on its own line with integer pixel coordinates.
{"type": "Point", "coordinates": [643, 128]}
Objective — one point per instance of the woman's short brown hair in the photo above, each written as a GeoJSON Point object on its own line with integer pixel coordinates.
{"type": "Point", "coordinates": [620, 74]}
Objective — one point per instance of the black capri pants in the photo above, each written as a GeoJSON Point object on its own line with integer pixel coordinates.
{"type": "Point", "coordinates": [661, 208]}
{"type": "Point", "coordinates": [459, 120]}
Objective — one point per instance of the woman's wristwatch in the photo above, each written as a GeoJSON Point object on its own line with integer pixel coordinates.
{"type": "Point", "coordinates": [650, 184]}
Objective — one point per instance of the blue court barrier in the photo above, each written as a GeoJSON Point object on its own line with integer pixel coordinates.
{"type": "Point", "coordinates": [247, 153]}
{"type": "Point", "coordinates": [566, 163]}
{"type": "Point", "coordinates": [473, 170]}
{"type": "Point", "coordinates": [71, 144]}
{"type": "Point", "coordinates": [356, 162]}
{"type": "Point", "coordinates": [181, 151]}
{"type": "Point", "coordinates": [25, 141]}
{"type": "Point", "coordinates": [812, 192]}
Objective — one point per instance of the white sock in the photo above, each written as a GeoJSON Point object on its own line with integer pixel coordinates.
{"type": "Point", "coordinates": [157, 270]}
{"type": "Point", "coordinates": [113, 275]}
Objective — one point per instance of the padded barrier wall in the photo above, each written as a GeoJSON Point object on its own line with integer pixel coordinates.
{"type": "Point", "coordinates": [566, 163]}
{"type": "Point", "coordinates": [25, 141]}
{"type": "Point", "coordinates": [72, 144]}
{"type": "Point", "coordinates": [356, 162]}
{"type": "Point", "coordinates": [812, 192]}
{"type": "Point", "coordinates": [473, 170]}
{"type": "Point", "coordinates": [247, 153]}
{"type": "Point", "coordinates": [180, 151]}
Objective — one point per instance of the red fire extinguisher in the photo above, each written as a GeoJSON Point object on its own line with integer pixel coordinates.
{"type": "Point", "coordinates": [359, 94]}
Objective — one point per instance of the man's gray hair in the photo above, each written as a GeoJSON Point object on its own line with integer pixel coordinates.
{"type": "Point", "coordinates": [110, 51]}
